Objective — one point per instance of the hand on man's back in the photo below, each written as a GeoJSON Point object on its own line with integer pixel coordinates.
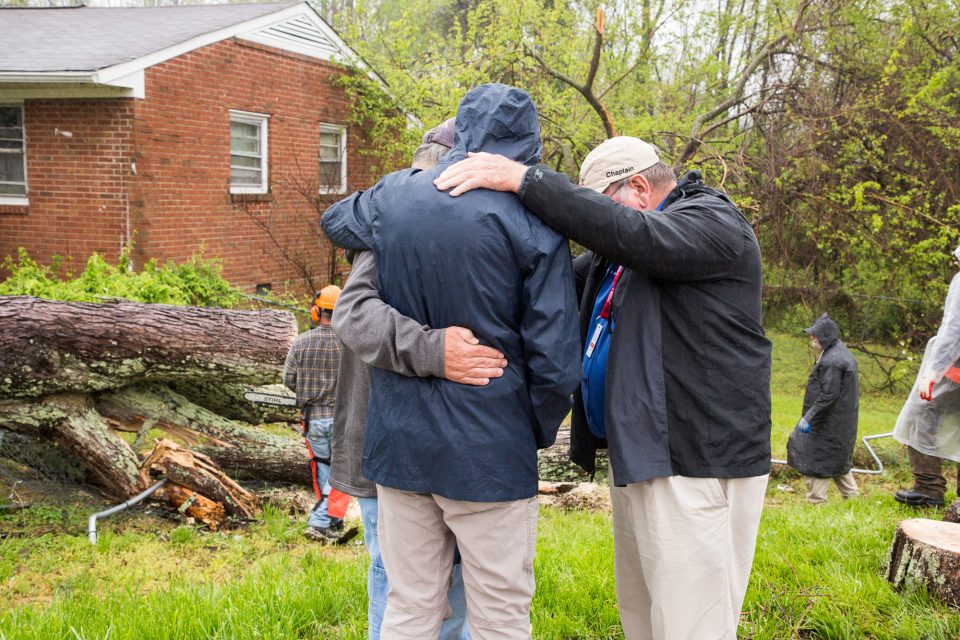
{"type": "Point", "coordinates": [466, 361]}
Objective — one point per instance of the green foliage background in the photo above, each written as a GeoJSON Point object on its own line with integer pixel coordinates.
{"type": "Point", "coordinates": [196, 282]}
{"type": "Point", "coordinates": [833, 123]}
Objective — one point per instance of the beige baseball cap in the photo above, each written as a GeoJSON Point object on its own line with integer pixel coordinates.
{"type": "Point", "coordinates": [616, 159]}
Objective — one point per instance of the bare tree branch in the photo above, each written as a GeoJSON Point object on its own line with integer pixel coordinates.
{"type": "Point", "coordinates": [775, 46]}
{"type": "Point", "coordinates": [585, 89]}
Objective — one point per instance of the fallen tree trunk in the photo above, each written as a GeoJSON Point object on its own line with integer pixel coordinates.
{"type": "Point", "coordinates": [71, 371]}
{"type": "Point", "coordinates": [72, 420]}
{"type": "Point", "coordinates": [926, 554]}
{"type": "Point", "coordinates": [49, 347]}
{"type": "Point", "coordinates": [84, 433]}
{"type": "Point", "coordinates": [241, 450]}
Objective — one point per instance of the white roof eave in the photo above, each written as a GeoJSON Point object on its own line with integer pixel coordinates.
{"type": "Point", "coordinates": [77, 83]}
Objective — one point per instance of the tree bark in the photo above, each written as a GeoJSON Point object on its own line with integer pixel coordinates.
{"type": "Point", "coordinates": [84, 433]}
{"type": "Point", "coordinates": [926, 554]}
{"type": "Point", "coordinates": [240, 450]}
{"type": "Point", "coordinates": [51, 347]}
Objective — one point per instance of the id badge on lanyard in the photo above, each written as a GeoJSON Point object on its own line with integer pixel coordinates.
{"type": "Point", "coordinates": [601, 326]}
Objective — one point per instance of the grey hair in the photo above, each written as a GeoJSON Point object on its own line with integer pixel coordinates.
{"type": "Point", "coordinates": [428, 155]}
{"type": "Point", "coordinates": [657, 175]}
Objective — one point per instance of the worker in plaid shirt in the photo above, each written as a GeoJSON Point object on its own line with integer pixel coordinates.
{"type": "Point", "coordinates": [311, 372]}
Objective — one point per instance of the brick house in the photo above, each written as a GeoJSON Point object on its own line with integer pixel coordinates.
{"type": "Point", "coordinates": [164, 130]}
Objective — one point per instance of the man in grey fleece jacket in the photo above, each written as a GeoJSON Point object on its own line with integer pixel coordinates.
{"type": "Point", "coordinates": [375, 334]}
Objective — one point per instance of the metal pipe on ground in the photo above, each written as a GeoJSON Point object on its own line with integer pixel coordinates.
{"type": "Point", "coordinates": [866, 444]}
{"type": "Point", "coordinates": [92, 523]}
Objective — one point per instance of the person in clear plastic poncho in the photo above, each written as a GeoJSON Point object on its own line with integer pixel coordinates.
{"type": "Point", "coordinates": [929, 423]}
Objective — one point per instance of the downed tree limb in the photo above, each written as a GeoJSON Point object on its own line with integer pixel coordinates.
{"type": "Point", "coordinates": [72, 420]}
{"type": "Point", "coordinates": [51, 347]}
{"type": "Point", "coordinates": [239, 449]}
{"type": "Point", "coordinates": [107, 457]}
{"type": "Point", "coordinates": [227, 400]}
{"type": "Point", "coordinates": [200, 474]}
{"type": "Point", "coordinates": [926, 554]}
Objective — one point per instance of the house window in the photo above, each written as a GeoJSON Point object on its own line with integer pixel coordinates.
{"type": "Point", "coordinates": [248, 152]}
{"type": "Point", "coordinates": [13, 157]}
{"type": "Point", "coordinates": [333, 159]}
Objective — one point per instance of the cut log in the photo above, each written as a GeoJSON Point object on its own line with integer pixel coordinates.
{"type": "Point", "coordinates": [194, 505]}
{"type": "Point", "coordinates": [199, 473]}
{"type": "Point", "coordinates": [49, 347]}
{"type": "Point", "coordinates": [926, 554]}
{"type": "Point", "coordinates": [241, 450]}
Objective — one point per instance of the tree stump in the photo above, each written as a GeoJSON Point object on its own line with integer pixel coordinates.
{"type": "Point", "coordinates": [926, 553]}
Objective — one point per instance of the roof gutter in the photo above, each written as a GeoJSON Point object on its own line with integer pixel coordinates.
{"type": "Point", "coordinates": [70, 84]}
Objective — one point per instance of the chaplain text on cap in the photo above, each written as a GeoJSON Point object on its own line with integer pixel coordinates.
{"type": "Point", "coordinates": [616, 159]}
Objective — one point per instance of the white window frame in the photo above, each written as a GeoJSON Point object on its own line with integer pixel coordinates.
{"type": "Point", "coordinates": [16, 199]}
{"type": "Point", "coordinates": [342, 131]}
{"type": "Point", "coordinates": [261, 120]}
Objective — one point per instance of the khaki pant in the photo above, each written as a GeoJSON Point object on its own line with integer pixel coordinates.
{"type": "Point", "coordinates": [497, 542]}
{"type": "Point", "coordinates": [817, 487]}
{"type": "Point", "coordinates": [683, 549]}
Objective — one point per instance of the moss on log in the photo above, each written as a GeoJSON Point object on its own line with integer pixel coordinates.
{"type": "Point", "coordinates": [227, 400]}
{"type": "Point", "coordinates": [85, 434]}
{"type": "Point", "coordinates": [241, 450]}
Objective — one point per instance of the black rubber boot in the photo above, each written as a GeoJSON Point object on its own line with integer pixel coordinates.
{"type": "Point", "coordinates": [914, 499]}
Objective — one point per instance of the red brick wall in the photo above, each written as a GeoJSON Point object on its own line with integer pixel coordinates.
{"type": "Point", "coordinates": [181, 198]}
{"type": "Point", "coordinates": [77, 184]}
{"type": "Point", "coordinates": [83, 194]}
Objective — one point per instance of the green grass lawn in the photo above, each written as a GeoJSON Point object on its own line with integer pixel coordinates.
{"type": "Point", "coordinates": [817, 572]}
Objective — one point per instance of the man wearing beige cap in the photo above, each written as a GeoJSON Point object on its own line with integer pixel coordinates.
{"type": "Point", "coordinates": [676, 375]}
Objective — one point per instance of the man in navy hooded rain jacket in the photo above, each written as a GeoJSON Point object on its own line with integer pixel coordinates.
{"type": "Point", "coordinates": [456, 464]}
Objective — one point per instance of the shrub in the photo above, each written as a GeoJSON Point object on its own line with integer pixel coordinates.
{"type": "Point", "coordinates": [196, 282]}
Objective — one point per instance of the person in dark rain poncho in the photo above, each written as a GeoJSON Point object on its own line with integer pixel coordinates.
{"type": "Point", "coordinates": [821, 446]}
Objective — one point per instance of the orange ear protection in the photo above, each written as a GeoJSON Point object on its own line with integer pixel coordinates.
{"type": "Point", "coordinates": [315, 309]}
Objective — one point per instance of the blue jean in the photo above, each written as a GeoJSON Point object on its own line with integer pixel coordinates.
{"type": "Point", "coordinates": [454, 627]}
{"type": "Point", "coordinates": [319, 436]}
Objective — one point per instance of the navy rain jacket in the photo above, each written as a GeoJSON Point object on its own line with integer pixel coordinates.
{"type": "Point", "coordinates": [479, 261]}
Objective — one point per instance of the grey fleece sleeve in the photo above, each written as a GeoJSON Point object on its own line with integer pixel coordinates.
{"type": "Point", "coordinates": [380, 335]}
